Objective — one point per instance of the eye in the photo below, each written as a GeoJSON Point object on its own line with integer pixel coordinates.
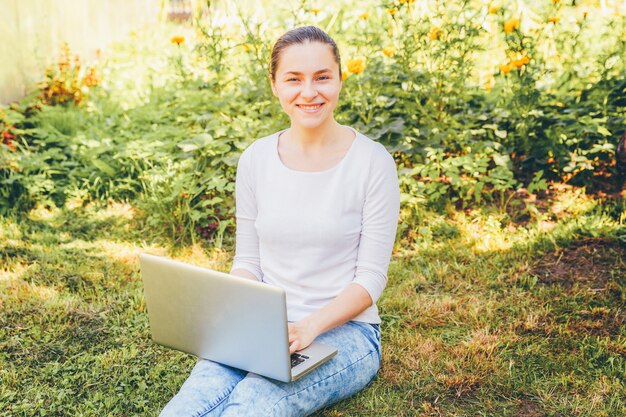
{"type": "Point", "coordinates": [323, 77]}
{"type": "Point", "coordinates": [292, 79]}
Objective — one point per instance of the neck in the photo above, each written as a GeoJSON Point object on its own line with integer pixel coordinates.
{"type": "Point", "coordinates": [317, 137]}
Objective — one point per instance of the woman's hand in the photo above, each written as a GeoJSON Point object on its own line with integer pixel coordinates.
{"type": "Point", "coordinates": [301, 334]}
{"type": "Point", "coordinates": [350, 302]}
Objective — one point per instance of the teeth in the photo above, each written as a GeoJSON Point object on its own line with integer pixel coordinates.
{"type": "Point", "coordinates": [313, 107]}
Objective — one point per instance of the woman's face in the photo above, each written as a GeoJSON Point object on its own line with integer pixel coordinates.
{"type": "Point", "coordinates": [307, 84]}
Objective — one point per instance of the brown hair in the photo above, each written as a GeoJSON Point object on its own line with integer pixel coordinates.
{"type": "Point", "coordinates": [302, 35]}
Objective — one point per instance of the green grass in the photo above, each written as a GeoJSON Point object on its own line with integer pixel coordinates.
{"type": "Point", "coordinates": [481, 317]}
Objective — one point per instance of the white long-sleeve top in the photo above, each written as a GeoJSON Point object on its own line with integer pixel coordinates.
{"type": "Point", "coordinates": [314, 233]}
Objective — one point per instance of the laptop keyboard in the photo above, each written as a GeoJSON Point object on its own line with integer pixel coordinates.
{"type": "Point", "coordinates": [297, 359]}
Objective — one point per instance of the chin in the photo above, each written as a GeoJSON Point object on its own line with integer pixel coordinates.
{"type": "Point", "coordinates": [310, 126]}
{"type": "Point", "coordinates": [310, 123]}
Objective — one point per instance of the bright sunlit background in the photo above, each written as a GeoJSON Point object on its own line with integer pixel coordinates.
{"type": "Point", "coordinates": [120, 131]}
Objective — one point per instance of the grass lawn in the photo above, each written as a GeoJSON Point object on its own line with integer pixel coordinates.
{"type": "Point", "coordinates": [482, 316]}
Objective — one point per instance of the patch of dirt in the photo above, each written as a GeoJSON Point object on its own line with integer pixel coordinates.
{"type": "Point", "coordinates": [599, 321]}
{"type": "Point", "coordinates": [460, 384]}
{"type": "Point", "coordinates": [588, 263]}
{"type": "Point", "coordinates": [529, 408]}
{"type": "Point", "coordinates": [552, 204]}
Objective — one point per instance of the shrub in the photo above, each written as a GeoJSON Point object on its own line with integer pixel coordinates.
{"type": "Point", "coordinates": [474, 102]}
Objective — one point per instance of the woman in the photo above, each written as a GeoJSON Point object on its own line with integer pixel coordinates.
{"type": "Point", "coordinates": [317, 210]}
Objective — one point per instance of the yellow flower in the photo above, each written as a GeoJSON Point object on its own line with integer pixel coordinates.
{"type": "Point", "coordinates": [554, 19]}
{"type": "Point", "coordinates": [435, 33]}
{"type": "Point", "coordinates": [364, 15]}
{"type": "Point", "coordinates": [177, 39]}
{"type": "Point", "coordinates": [520, 60]}
{"type": "Point", "coordinates": [356, 65]}
{"type": "Point", "coordinates": [389, 51]}
{"type": "Point", "coordinates": [392, 11]}
{"type": "Point", "coordinates": [493, 9]}
{"type": "Point", "coordinates": [316, 11]}
{"type": "Point", "coordinates": [344, 74]}
{"type": "Point", "coordinates": [505, 68]}
{"type": "Point", "coordinates": [556, 1]}
{"type": "Point", "coordinates": [487, 81]}
{"type": "Point", "coordinates": [401, 1]}
{"type": "Point", "coordinates": [511, 25]}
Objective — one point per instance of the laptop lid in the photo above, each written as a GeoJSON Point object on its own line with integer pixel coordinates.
{"type": "Point", "coordinates": [217, 316]}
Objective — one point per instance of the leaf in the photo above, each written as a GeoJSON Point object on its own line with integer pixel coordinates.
{"type": "Point", "coordinates": [104, 167]}
{"type": "Point", "coordinates": [211, 202]}
{"type": "Point", "coordinates": [603, 131]}
{"type": "Point", "coordinates": [478, 190]}
{"type": "Point", "coordinates": [231, 160]}
{"type": "Point", "coordinates": [500, 160]}
{"type": "Point", "coordinates": [197, 142]}
{"type": "Point", "coordinates": [538, 183]}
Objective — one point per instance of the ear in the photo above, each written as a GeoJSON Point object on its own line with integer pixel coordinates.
{"type": "Point", "coordinates": [273, 84]}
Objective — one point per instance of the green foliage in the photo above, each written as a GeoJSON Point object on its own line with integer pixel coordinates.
{"type": "Point", "coordinates": [474, 102]}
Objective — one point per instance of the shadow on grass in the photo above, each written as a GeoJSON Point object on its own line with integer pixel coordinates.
{"type": "Point", "coordinates": [74, 336]}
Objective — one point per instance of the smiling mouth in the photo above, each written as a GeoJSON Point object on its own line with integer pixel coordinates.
{"type": "Point", "coordinates": [310, 107]}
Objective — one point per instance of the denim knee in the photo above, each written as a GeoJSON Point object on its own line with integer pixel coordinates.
{"type": "Point", "coordinates": [205, 391]}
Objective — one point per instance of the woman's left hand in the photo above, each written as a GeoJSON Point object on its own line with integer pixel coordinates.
{"type": "Point", "coordinates": [301, 335]}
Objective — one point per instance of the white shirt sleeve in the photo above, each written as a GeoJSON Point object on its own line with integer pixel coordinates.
{"type": "Point", "coordinates": [247, 241]}
{"type": "Point", "coordinates": [379, 224]}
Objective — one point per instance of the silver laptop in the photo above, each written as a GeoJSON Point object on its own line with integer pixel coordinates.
{"type": "Point", "coordinates": [227, 319]}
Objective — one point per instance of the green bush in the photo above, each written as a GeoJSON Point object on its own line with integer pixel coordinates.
{"type": "Point", "coordinates": [473, 101]}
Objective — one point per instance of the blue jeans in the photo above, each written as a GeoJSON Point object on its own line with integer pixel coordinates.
{"type": "Point", "coordinates": [218, 390]}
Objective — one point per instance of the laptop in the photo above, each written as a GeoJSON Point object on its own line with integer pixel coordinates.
{"type": "Point", "coordinates": [224, 318]}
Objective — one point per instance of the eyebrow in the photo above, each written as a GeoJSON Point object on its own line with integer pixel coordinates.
{"type": "Point", "coordinates": [300, 73]}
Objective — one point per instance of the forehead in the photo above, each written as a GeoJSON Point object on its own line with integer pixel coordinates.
{"type": "Point", "coordinates": [306, 57]}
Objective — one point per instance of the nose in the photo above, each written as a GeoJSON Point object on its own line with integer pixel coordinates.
{"type": "Point", "coordinates": [308, 90]}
